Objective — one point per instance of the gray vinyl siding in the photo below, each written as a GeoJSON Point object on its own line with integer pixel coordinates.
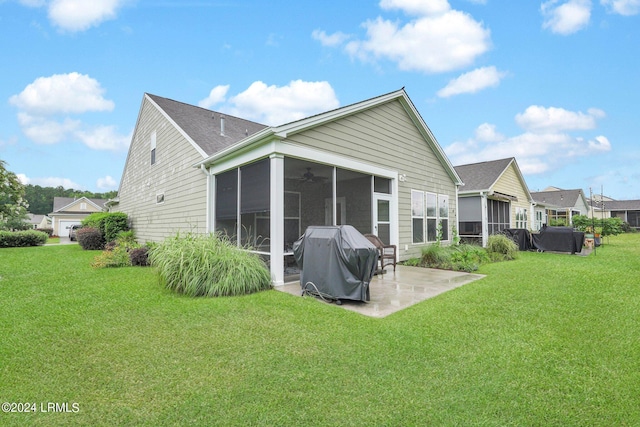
{"type": "Point", "coordinates": [184, 187]}
{"type": "Point", "coordinates": [386, 136]}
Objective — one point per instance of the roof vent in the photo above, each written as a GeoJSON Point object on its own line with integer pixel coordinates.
{"type": "Point", "coordinates": [221, 125]}
{"type": "Point", "coordinates": [246, 132]}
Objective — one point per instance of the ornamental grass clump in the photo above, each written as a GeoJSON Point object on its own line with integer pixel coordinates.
{"type": "Point", "coordinates": [208, 265]}
{"type": "Point", "coordinates": [501, 248]}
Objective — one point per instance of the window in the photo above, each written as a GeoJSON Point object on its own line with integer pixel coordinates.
{"type": "Point", "coordinates": [521, 218]}
{"type": "Point", "coordinates": [153, 147]}
{"type": "Point", "coordinates": [417, 216]}
{"type": "Point", "coordinates": [432, 217]}
{"type": "Point", "coordinates": [498, 216]}
{"type": "Point", "coordinates": [381, 185]}
{"type": "Point", "coordinates": [539, 220]}
{"type": "Point", "coordinates": [443, 213]}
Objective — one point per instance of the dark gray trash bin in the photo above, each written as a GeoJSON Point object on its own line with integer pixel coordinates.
{"type": "Point", "coordinates": [337, 262]}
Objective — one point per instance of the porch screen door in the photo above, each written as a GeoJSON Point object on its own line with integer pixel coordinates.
{"type": "Point", "coordinates": [382, 217]}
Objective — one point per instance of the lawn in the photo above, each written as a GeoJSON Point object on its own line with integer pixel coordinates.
{"type": "Point", "coordinates": [544, 340]}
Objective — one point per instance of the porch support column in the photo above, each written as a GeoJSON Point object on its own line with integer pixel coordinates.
{"type": "Point", "coordinates": [277, 218]}
{"type": "Point", "coordinates": [485, 219]}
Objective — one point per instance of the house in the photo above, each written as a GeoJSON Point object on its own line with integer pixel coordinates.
{"type": "Point", "coordinates": [39, 221]}
{"type": "Point", "coordinates": [562, 204]}
{"type": "Point", "coordinates": [494, 197]}
{"type": "Point", "coordinates": [374, 165]}
{"type": "Point", "coordinates": [626, 210]}
{"type": "Point", "coordinates": [68, 211]}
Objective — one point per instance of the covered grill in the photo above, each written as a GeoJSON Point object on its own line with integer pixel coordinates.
{"type": "Point", "coordinates": [337, 262]}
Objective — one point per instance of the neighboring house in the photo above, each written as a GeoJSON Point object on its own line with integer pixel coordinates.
{"type": "Point", "coordinates": [561, 204]}
{"type": "Point", "coordinates": [374, 165]}
{"type": "Point", "coordinates": [494, 196]}
{"type": "Point", "coordinates": [68, 211]}
{"type": "Point", "coordinates": [627, 210]}
{"type": "Point", "coordinates": [39, 221]}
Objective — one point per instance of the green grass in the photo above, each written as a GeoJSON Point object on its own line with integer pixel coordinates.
{"type": "Point", "coordinates": [543, 340]}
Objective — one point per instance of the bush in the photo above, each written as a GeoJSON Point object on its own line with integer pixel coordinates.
{"type": "Point", "coordinates": [122, 252]}
{"type": "Point", "coordinates": [608, 226]}
{"type": "Point", "coordinates": [90, 239]}
{"type": "Point", "coordinates": [208, 265]}
{"type": "Point", "coordinates": [49, 231]}
{"type": "Point", "coordinates": [501, 248]}
{"type": "Point", "coordinates": [463, 257]}
{"type": "Point", "coordinates": [109, 223]}
{"type": "Point", "coordinates": [139, 256]}
{"type": "Point", "coordinates": [117, 257]}
{"type": "Point", "coordinates": [20, 239]}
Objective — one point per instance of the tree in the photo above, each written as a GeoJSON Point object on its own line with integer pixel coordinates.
{"type": "Point", "coordinates": [12, 201]}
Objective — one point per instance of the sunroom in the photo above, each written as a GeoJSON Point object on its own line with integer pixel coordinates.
{"type": "Point", "coordinates": [266, 204]}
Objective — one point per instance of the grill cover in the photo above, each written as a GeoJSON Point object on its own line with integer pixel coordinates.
{"type": "Point", "coordinates": [558, 239]}
{"type": "Point", "coordinates": [521, 236]}
{"type": "Point", "coordinates": [338, 260]}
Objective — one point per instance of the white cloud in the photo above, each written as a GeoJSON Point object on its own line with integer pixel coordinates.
{"type": "Point", "coordinates": [44, 106]}
{"type": "Point", "coordinates": [540, 119]}
{"type": "Point", "coordinates": [473, 81]}
{"type": "Point", "coordinates": [275, 105]}
{"type": "Point", "coordinates": [103, 138]}
{"type": "Point", "coordinates": [487, 133]}
{"type": "Point", "coordinates": [80, 15]}
{"type": "Point", "coordinates": [62, 93]}
{"type": "Point", "coordinates": [216, 96]}
{"type": "Point", "coordinates": [330, 40]}
{"type": "Point", "coordinates": [107, 183]}
{"type": "Point", "coordinates": [438, 39]}
{"type": "Point", "coordinates": [417, 7]}
{"type": "Point", "coordinates": [77, 15]}
{"type": "Point", "coordinates": [566, 18]}
{"type": "Point", "coordinates": [546, 145]}
{"type": "Point", "coordinates": [622, 7]}
{"type": "Point", "coordinates": [44, 131]}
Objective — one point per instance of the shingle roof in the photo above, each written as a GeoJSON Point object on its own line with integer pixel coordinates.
{"type": "Point", "coordinates": [559, 198]}
{"type": "Point", "coordinates": [61, 202]}
{"type": "Point", "coordinates": [620, 205]}
{"type": "Point", "coordinates": [203, 126]}
{"type": "Point", "coordinates": [481, 176]}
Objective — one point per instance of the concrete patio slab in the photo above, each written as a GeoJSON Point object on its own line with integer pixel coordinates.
{"type": "Point", "coordinates": [394, 291]}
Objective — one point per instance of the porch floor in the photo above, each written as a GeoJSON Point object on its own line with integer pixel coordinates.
{"type": "Point", "coordinates": [394, 291]}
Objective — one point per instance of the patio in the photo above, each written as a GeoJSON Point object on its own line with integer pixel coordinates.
{"type": "Point", "coordinates": [394, 291]}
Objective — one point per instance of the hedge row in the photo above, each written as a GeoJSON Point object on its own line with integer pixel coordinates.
{"type": "Point", "coordinates": [20, 239]}
{"type": "Point", "coordinates": [109, 223]}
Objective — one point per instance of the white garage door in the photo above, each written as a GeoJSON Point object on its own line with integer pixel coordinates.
{"type": "Point", "coordinates": [63, 230]}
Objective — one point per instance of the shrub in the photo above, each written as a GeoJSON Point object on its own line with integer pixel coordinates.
{"type": "Point", "coordinates": [139, 256]}
{"type": "Point", "coordinates": [114, 224]}
{"type": "Point", "coordinates": [16, 239]}
{"type": "Point", "coordinates": [208, 265]}
{"type": "Point", "coordinates": [109, 223]}
{"type": "Point", "coordinates": [118, 257]}
{"type": "Point", "coordinates": [463, 257]}
{"type": "Point", "coordinates": [501, 248]}
{"type": "Point", "coordinates": [90, 239]}
{"type": "Point", "coordinates": [49, 231]}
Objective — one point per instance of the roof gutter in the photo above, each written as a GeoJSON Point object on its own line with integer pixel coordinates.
{"type": "Point", "coordinates": [236, 148]}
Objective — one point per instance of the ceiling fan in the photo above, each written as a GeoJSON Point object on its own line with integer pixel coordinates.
{"type": "Point", "coordinates": [309, 176]}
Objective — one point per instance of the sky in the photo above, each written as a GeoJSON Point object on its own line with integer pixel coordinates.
{"type": "Point", "coordinates": [554, 83]}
